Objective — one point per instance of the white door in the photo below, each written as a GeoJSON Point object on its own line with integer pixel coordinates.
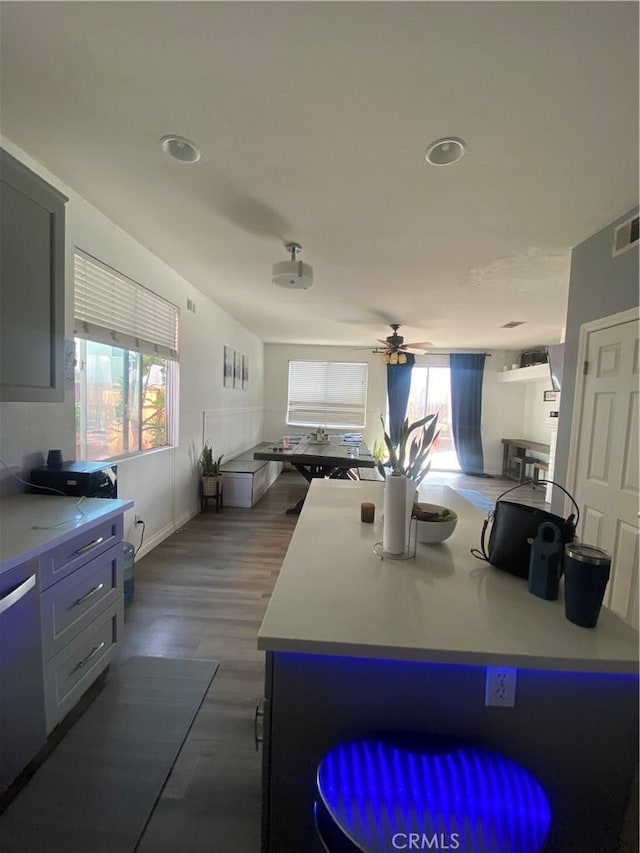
{"type": "Point", "coordinates": [606, 457]}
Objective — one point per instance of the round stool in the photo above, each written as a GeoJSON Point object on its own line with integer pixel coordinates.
{"type": "Point", "coordinates": [385, 795]}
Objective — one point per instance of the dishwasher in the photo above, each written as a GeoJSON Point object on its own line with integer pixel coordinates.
{"type": "Point", "coordinates": [22, 716]}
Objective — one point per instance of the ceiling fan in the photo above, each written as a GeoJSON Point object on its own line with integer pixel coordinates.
{"type": "Point", "coordinates": [395, 350]}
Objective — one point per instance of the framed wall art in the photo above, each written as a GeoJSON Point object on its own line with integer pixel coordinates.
{"type": "Point", "coordinates": [245, 372]}
{"type": "Point", "coordinates": [237, 369]}
{"type": "Point", "coordinates": [228, 367]}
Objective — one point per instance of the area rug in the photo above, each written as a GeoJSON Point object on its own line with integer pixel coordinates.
{"type": "Point", "coordinates": [97, 789]}
{"type": "Point", "coordinates": [477, 499]}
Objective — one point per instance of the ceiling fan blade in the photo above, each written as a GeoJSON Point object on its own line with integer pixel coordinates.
{"type": "Point", "coordinates": [415, 350]}
{"type": "Point", "coordinates": [384, 343]}
{"type": "Point", "coordinates": [418, 345]}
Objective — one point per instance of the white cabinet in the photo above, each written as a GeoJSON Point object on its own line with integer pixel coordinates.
{"type": "Point", "coordinates": [72, 671]}
{"type": "Point", "coordinates": [82, 613]}
{"type": "Point", "coordinates": [72, 604]}
{"type": "Point", "coordinates": [78, 559]}
{"type": "Point", "coordinates": [22, 718]}
{"type": "Point", "coordinates": [32, 247]}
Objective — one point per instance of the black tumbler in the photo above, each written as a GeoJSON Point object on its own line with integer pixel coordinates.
{"type": "Point", "coordinates": [586, 574]}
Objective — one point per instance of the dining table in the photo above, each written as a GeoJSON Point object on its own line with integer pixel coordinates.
{"type": "Point", "coordinates": [335, 457]}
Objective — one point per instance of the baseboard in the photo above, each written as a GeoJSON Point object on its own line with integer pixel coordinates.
{"type": "Point", "coordinates": [166, 531]}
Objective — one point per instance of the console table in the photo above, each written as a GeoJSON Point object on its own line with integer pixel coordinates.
{"type": "Point", "coordinates": [518, 447]}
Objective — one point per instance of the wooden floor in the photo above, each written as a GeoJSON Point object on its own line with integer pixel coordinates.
{"type": "Point", "coordinates": [202, 594]}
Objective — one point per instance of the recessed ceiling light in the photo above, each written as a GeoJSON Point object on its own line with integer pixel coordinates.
{"type": "Point", "coordinates": [445, 151]}
{"type": "Point", "coordinates": [180, 149]}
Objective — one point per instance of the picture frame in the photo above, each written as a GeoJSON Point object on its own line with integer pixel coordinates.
{"type": "Point", "coordinates": [228, 367]}
{"type": "Point", "coordinates": [245, 372]}
{"type": "Point", "coordinates": [237, 369]}
{"type": "Point", "coordinates": [550, 396]}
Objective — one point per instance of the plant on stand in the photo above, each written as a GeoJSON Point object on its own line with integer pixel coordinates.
{"type": "Point", "coordinates": [209, 469]}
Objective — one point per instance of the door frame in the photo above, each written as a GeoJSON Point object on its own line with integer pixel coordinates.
{"type": "Point", "coordinates": [586, 329]}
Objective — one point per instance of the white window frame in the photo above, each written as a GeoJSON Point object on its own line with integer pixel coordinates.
{"type": "Point", "coordinates": [319, 392]}
{"type": "Point", "coordinates": [114, 309]}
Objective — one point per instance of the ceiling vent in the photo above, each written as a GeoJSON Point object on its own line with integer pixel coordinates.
{"type": "Point", "coordinates": [292, 274]}
{"type": "Point", "coordinates": [625, 236]}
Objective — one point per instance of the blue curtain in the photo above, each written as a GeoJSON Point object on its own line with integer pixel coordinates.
{"type": "Point", "coordinates": [466, 410]}
{"type": "Point", "coordinates": [398, 385]}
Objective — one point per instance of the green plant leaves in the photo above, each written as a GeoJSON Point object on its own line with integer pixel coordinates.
{"type": "Point", "coordinates": [412, 457]}
{"type": "Point", "coordinates": [209, 467]}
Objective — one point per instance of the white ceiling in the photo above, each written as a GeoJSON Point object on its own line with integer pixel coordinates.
{"type": "Point", "coordinates": [313, 119]}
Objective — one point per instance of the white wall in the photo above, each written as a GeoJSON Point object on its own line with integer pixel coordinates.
{"type": "Point", "coordinates": [502, 409]}
{"type": "Point", "coordinates": [515, 409]}
{"type": "Point", "coordinates": [536, 412]}
{"type": "Point", "coordinates": [276, 380]}
{"type": "Point", "coordinates": [503, 405]}
{"type": "Point", "coordinates": [163, 483]}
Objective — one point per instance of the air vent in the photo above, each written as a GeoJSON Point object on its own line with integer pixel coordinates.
{"type": "Point", "coordinates": [512, 324]}
{"type": "Point", "coordinates": [625, 236]}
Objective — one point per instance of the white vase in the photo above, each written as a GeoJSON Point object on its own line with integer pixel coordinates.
{"type": "Point", "coordinates": [394, 524]}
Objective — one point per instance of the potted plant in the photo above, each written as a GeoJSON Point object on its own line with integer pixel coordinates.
{"type": "Point", "coordinates": [209, 469]}
{"type": "Point", "coordinates": [411, 456]}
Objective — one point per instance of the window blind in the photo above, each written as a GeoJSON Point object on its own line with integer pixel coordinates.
{"type": "Point", "coordinates": [113, 309]}
{"type": "Point", "coordinates": [327, 393]}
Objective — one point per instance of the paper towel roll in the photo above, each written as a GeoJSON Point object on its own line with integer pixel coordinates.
{"type": "Point", "coordinates": [394, 528]}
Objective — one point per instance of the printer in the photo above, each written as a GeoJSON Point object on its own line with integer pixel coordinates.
{"type": "Point", "coordinates": [76, 479]}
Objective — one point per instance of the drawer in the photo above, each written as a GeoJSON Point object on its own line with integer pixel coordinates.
{"type": "Point", "coordinates": [69, 606]}
{"type": "Point", "coordinates": [74, 669]}
{"type": "Point", "coordinates": [75, 552]}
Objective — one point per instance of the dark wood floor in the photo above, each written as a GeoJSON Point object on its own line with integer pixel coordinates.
{"type": "Point", "coordinates": [202, 594]}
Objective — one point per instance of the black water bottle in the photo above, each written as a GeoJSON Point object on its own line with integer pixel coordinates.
{"type": "Point", "coordinates": [586, 574]}
{"type": "Point", "coordinates": [545, 562]}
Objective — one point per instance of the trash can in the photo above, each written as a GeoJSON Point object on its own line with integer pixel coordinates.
{"type": "Point", "coordinates": [129, 561]}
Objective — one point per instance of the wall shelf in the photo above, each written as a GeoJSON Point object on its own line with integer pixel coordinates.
{"type": "Point", "coordinates": [535, 373]}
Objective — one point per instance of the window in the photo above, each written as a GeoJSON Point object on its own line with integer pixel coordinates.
{"type": "Point", "coordinates": [431, 392]}
{"type": "Point", "coordinates": [126, 363]}
{"type": "Point", "coordinates": [327, 393]}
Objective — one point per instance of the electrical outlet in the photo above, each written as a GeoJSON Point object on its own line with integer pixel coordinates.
{"type": "Point", "coordinates": [137, 519]}
{"type": "Point", "coordinates": [500, 686]}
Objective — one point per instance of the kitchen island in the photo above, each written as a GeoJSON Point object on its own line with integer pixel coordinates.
{"type": "Point", "coordinates": [357, 645]}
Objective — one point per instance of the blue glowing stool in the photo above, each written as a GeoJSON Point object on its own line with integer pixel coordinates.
{"type": "Point", "coordinates": [385, 795]}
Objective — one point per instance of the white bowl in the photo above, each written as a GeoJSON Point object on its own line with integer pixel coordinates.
{"type": "Point", "coordinates": [432, 532]}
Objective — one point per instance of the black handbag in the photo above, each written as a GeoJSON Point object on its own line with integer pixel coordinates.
{"type": "Point", "coordinates": [513, 528]}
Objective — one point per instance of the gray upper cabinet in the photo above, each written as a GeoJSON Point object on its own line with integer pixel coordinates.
{"type": "Point", "coordinates": [31, 285]}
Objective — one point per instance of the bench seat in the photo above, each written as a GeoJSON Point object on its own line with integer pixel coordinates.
{"type": "Point", "coordinates": [539, 467]}
{"type": "Point", "coordinates": [246, 479]}
{"type": "Point", "coordinates": [369, 474]}
{"type": "Point", "coordinates": [242, 466]}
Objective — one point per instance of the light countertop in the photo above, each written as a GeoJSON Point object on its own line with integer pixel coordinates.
{"type": "Point", "coordinates": [31, 524]}
{"type": "Point", "coordinates": [335, 596]}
